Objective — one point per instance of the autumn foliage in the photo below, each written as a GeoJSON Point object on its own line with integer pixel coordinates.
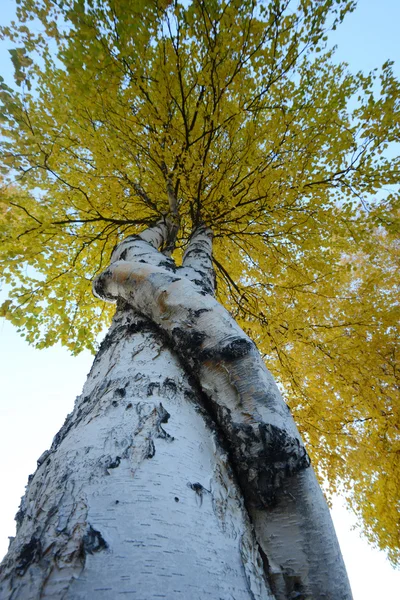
{"type": "Point", "coordinates": [236, 114]}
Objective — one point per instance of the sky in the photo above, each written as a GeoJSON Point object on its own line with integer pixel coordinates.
{"type": "Point", "coordinates": [38, 387]}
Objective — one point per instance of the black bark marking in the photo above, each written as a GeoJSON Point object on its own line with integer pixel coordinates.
{"type": "Point", "coordinates": [189, 395]}
{"type": "Point", "coordinates": [60, 435]}
{"type": "Point", "coordinates": [163, 414]}
{"type": "Point", "coordinates": [123, 254]}
{"type": "Point", "coordinates": [237, 348]}
{"type": "Point", "coordinates": [164, 435]}
{"type": "Point", "coordinates": [151, 450]}
{"type": "Point", "coordinates": [196, 487]}
{"type": "Point", "coordinates": [264, 456]}
{"type": "Point", "coordinates": [139, 325]}
{"type": "Point", "coordinates": [176, 499]}
{"type": "Point", "coordinates": [199, 490]}
{"type": "Point", "coordinates": [204, 288]}
{"type": "Point", "coordinates": [169, 385]}
{"type": "Point", "coordinates": [142, 326]}
{"type": "Point", "coordinates": [53, 510]}
{"type": "Point", "coordinates": [106, 343]}
{"type": "Point", "coordinates": [200, 311]}
{"type": "Point", "coordinates": [267, 569]}
{"type": "Point", "coordinates": [93, 541]}
{"type": "Point", "coordinates": [198, 251]}
{"type": "Point", "coordinates": [294, 586]}
{"type": "Point", "coordinates": [188, 342]}
{"type": "Point", "coordinates": [130, 238]}
{"type": "Point", "coordinates": [43, 457]}
{"type": "Point", "coordinates": [100, 286]}
{"type": "Point", "coordinates": [121, 392]}
{"type": "Point", "coordinates": [20, 516]}
{"type": "Point", "coordinates": [203, 406]}
{"type": "Point", "coordinates": [154, 385]}
{"type": "Point", "coordinates": [168, 264]}
{"type": "Point", "coordinates": [133, 237]}
{"type": "Point", "coordinates": [113, 464]}
{"type": "Point", "coordinates": [128, 406]}
{"type": "Point", "coordinates": [30, 552]}
{"type": "Point", "coordinates": [163, 417]}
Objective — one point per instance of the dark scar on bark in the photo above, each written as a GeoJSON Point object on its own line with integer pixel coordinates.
{"type": "Point", "coordinates": [113, 464]}
{"type": "Point", "coordinates": [204, 288]}
{"type": "Point", "coordinates": [93, 541]}
{"type": "Point", "coordinates": [199, 490]}
{"type": "Point", "coordinates": [163, 414]}
{"type": "Point", "coordinates": [151, 450]}
{"type": "Point", "coordinates": [197, 250]}
{"type": "Point", "coordinates": [53, 510]}
{"type": "Point", "coordinates": [197, 487]}
{"type": "Point", "coordinates": [142, 325]}
{"type": "Point", "coordinates": [154, 385]}
{"type": "Point", "coordinates": [188, 341]}
{"type": "Point", "coordinates": [60, 435]}
{"type": "Point", "coordinates": [129, 238]}
{"type": "Point", "coordinates": [169, 265]}
{"type": "Point", "coordinates": [235, 349]}
{"type": "Point", "coordinates": [163, 417]}
{"type": "Point", "coordinates": [121, 392]}
{"type": "Point", "coordinates": [30, 552]}
{"type": "Point", "coordinates": [19, 517]}
{"type": "Point", "coordinates": [100, 285]}
{"type": "Point", "coordinates": [170, 385]}
{"type": "Point", "coordinates": [264, 456]}
{"type": "Point", "coordinates": [294, 586]}
{"type": "Point", "coordinates": [194, 314]}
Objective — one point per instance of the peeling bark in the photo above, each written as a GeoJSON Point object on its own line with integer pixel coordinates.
{"type": "Point", "coordinates": [136, 494]}
{"type": "Point", "coordinates": [180, 473]}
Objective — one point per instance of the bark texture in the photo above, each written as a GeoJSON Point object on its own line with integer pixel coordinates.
{"type": "Point", "coordinates": [180, 472]}
{"type": "Point", "coordinates": [136, 496]}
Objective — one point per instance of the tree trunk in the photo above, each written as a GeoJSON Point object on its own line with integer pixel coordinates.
{"type": "Point", "coordinates": [180, 472]}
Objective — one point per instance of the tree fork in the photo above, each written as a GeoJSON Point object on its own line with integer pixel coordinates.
{"type": "Point", "coordinates": [254, 418]}
{"type": "Point", "coordinates": [266, 449]}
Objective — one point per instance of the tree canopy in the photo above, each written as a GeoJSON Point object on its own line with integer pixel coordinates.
{"type": "Point", "coordinates": [232, 113]}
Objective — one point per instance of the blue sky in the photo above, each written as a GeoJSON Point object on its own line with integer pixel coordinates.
{"type": "Point", "coordinates": [38, 388]}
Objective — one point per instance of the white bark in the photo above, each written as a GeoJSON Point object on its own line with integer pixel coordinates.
{"type": "Point", "coordinates": [136, 496]}
{"type": "Point", "coordinates": [178, 449]}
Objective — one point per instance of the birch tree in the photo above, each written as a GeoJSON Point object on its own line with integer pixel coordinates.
{"type": "Point", "coordinates": [220, 119]}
